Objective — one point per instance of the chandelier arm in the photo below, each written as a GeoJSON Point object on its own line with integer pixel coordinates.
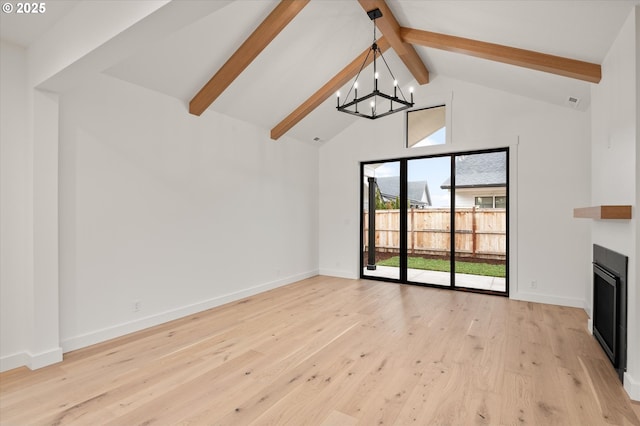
{"type": "Point", "coordinates": [392, 76]}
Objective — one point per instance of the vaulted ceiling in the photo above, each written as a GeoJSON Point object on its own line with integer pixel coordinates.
{"type": "Point", "coordinates": [324, 36]}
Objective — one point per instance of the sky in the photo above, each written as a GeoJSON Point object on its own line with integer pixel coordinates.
{"type": "Point", "coordinates": [439, 137]}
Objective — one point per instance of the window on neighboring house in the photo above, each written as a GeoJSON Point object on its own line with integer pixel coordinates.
{"type": "Point", "coordinates": [484, 202]}
{"type": "Point", "coordinates": [427, 127]}
{"type": "Point", "coordinates": [490, 202]}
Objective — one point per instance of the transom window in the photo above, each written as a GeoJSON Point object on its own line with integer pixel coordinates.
{"type": "Point", "coordinates": [427, 127]}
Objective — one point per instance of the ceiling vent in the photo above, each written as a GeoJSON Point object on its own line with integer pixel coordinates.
{"type": "Point", "coordinates": [572, 101]}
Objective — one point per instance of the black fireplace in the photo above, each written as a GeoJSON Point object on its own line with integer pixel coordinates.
{"type": "Point", "coordinates": [610, 305]}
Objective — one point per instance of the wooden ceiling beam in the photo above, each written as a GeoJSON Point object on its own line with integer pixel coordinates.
{"type": "Point", "coordinates": [279, 18]}
{"type": "Point", "coordinates": [510, 55]}
{"type": "Point", "coordinates": [326, 91]}
{"type": "Point", "coordinates": [389, 27]}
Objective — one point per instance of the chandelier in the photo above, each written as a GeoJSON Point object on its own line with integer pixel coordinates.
{"type": "Point", "coordinates": [376, 107]}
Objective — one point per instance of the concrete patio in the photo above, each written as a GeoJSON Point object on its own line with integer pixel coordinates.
{"type": "Point", "coordinates": [442, 278]}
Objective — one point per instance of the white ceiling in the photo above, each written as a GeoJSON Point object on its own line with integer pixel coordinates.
{"type": "Point", "coordinates": [24, 29]}
{"type": "Point", "coordinates": [328, 34]}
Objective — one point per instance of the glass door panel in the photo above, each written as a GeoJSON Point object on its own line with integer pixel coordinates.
{"type": "Point", "coordinates": [480, 217]}
{"type": "Point", "coordinates": [438, 221]}
{"type": "Point", "coordinates": [429, 221]}
{"type": "Point", "coordinates": [381, 220]}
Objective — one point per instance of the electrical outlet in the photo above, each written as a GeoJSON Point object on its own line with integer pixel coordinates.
{"type": "Point", "coordinates": [137, 305]}
{"type": "Point", "coordinates": [533, 284]}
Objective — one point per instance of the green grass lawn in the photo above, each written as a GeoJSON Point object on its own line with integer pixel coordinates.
{"type": "Point", "coordinates": [444, 266]}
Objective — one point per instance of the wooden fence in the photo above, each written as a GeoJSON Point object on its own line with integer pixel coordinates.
{"type": "Point", "coordinates": [479, 233]}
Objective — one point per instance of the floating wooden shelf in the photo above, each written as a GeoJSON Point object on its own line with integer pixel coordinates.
{"type": "Point", "coordinates": [603, 212]}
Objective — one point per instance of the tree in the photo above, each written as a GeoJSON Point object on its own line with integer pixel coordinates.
{"type": "Point", "coordinates": [387, 205]}
{"type": "Point", "coordinates": [380, 204]}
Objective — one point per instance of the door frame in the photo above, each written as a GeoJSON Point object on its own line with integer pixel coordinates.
{"type": "Point", "coordinates": [403, 255]}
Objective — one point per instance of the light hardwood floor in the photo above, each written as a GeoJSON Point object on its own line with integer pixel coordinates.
{"type": "Point", "coordinates": [330, 351]}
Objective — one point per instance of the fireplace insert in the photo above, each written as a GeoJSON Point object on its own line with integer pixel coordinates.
{"type": "Point", "coordinates": [605, 310]}
{"type": "Point", "coordinates": [610, 305]}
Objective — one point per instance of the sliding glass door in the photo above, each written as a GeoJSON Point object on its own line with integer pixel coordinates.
{"type": "Point", "coordinates": [381, 219]}
{"type": "Point", "coordinates": [481, 221]}
{"type": "Point", "coordinates": [439, 221]}
{"type": "Point", "coordinates": [428, 221]}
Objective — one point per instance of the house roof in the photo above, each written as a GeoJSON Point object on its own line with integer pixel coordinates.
{"type": "Point", "coordinates": [416, 191]}
{"type": "Point", "coordinates": [480, 171]}
{"type": "Point", "coordinates": [175, 47]}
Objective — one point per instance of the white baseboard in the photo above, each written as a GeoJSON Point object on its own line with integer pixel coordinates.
{"type": "Point", "coordinates": [632, 386]}
{"type": "Point", "coordinates": [550, 300]}
{"type": "Point", "coordinates": [590, 325]}
{"type": "Point", "coordinates": [32, 361]}
{"type": "Point", "coordinates": [350, 275]}
{"type": "Point", "coordinates": [9, 362]}
{"type": "Point", "coordinates": [118, 330]}
{"type": "Point", "coordinates": [45, 358]}
{"type": "Point", "coordinates": [588, 310]}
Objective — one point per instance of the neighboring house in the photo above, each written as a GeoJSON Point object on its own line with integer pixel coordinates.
{"type": "Point", "coordinates": [418, 192]}
{"type": "Point", "coordinates": [480, 180]}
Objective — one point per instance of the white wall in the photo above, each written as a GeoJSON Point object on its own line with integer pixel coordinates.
{"type": "Point", "coordinates": [154, 207]}
{"type": "Point", "coordinates": [29, 239]}
{"type": "Point", "coordinates": [15, 185]}
{"type": "Point", "coordinates": [614, 127]}
{"type": "Point", "coordinates": [176, 212]}
{"type": "Point", "coordinates": [550, 165]}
